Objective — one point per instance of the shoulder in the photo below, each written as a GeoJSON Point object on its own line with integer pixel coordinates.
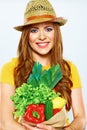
{"type": "Point", "coordinates": [75, 76]}
{"type": "Point", "coordinates": [10, 64]}
{"type": "Point", "coordinates": [7, 71]}
{"type": "Point", "coordinates": [73, 67]}
{"type": "Point", "coordinates": [71, 64]}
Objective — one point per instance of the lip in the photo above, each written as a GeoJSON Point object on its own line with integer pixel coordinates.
{"type": "Point", "coordinates": [42, 44]}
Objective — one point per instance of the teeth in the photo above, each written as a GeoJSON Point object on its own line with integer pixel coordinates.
{"type": "Point", "coordinates": [42, 44]}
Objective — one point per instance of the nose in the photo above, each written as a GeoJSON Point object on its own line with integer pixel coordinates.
{"type": "Point", "coordinates": [42, 35]}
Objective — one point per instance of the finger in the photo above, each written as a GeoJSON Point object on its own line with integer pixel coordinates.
{"type": "Point", "coordinates": [29, 127]}
{"type": "Point", "coordinates": [45, 127]}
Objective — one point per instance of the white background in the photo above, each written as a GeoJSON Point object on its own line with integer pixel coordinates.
{"type": "Point", "coordinates": [74, 33]}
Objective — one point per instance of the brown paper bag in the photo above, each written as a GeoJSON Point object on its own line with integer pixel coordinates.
{"type": "Point", "coordinates": [58, 120]}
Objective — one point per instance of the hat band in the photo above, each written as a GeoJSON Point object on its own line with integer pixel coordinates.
{"type": "Point", "coordinates": [38, 17]}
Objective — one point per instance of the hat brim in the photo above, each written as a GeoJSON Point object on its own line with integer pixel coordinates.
{"type": "Point", "coordinates": [60, 20]}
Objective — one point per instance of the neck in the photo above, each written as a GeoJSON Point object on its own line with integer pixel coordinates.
{"type": "Point", "coordinates": [43, 59]}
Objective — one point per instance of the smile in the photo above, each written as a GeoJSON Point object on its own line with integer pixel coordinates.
{"type": "Point", "coordinates": [42, 44]}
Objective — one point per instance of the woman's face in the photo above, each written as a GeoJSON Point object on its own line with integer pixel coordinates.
{"type": "Point", "coordinates": [41, 38]}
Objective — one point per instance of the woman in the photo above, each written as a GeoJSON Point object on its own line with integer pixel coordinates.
{"type": "Point", "coordinates": [41, 41]}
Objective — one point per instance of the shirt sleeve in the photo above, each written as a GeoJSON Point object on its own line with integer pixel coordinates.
{"type": "Point", "coordinates": [75, 77]}
{"type": "Point", "coordinates": [7, 73]}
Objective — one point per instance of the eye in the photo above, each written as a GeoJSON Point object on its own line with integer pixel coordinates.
{"type": "Point", "coordinates": [49, 29]}
{"type": "Point", "coordinates": [33, 30]}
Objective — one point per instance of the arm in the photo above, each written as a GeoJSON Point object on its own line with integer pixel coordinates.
{"type": "Point", "coordinates": [7, 109]}
{"type": "Point", "coordinates": [79, 114]}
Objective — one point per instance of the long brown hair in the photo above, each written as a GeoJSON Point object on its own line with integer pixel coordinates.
{"type": "Point", "coordinates": [25, 63]}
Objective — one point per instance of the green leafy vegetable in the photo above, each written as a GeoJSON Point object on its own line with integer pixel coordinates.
{"type": "Point", "coordinates": [48, 77]}
{"type": "Point", "coordinates": [48, 109]}
{"type": "Point", "coordinates": [38, 88]}
{"type": "Point", "coordinates": [51, 76]}
{"type": "Point", "coordinates": [35, 75]}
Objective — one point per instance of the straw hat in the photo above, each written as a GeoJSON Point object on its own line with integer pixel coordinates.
{"type": "Point", "coordinates": [40, 11]}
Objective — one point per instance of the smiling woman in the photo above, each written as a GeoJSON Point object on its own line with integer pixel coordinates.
{"type": "Point", "coordinates": [41, 41]}
{"type": "Point", "coordinates": [41, 38]}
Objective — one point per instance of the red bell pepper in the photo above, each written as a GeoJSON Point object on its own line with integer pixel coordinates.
{"type": "Point", "coordinates": [35, 113]}
{"type": "Point", "coordinates": [56, 110]}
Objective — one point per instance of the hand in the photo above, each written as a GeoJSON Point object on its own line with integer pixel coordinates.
{"type": "Point", "coordinates": [38, 127]}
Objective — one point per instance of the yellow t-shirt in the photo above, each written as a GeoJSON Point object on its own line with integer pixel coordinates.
{"type": "Point", "coordinates": [6, 73]}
